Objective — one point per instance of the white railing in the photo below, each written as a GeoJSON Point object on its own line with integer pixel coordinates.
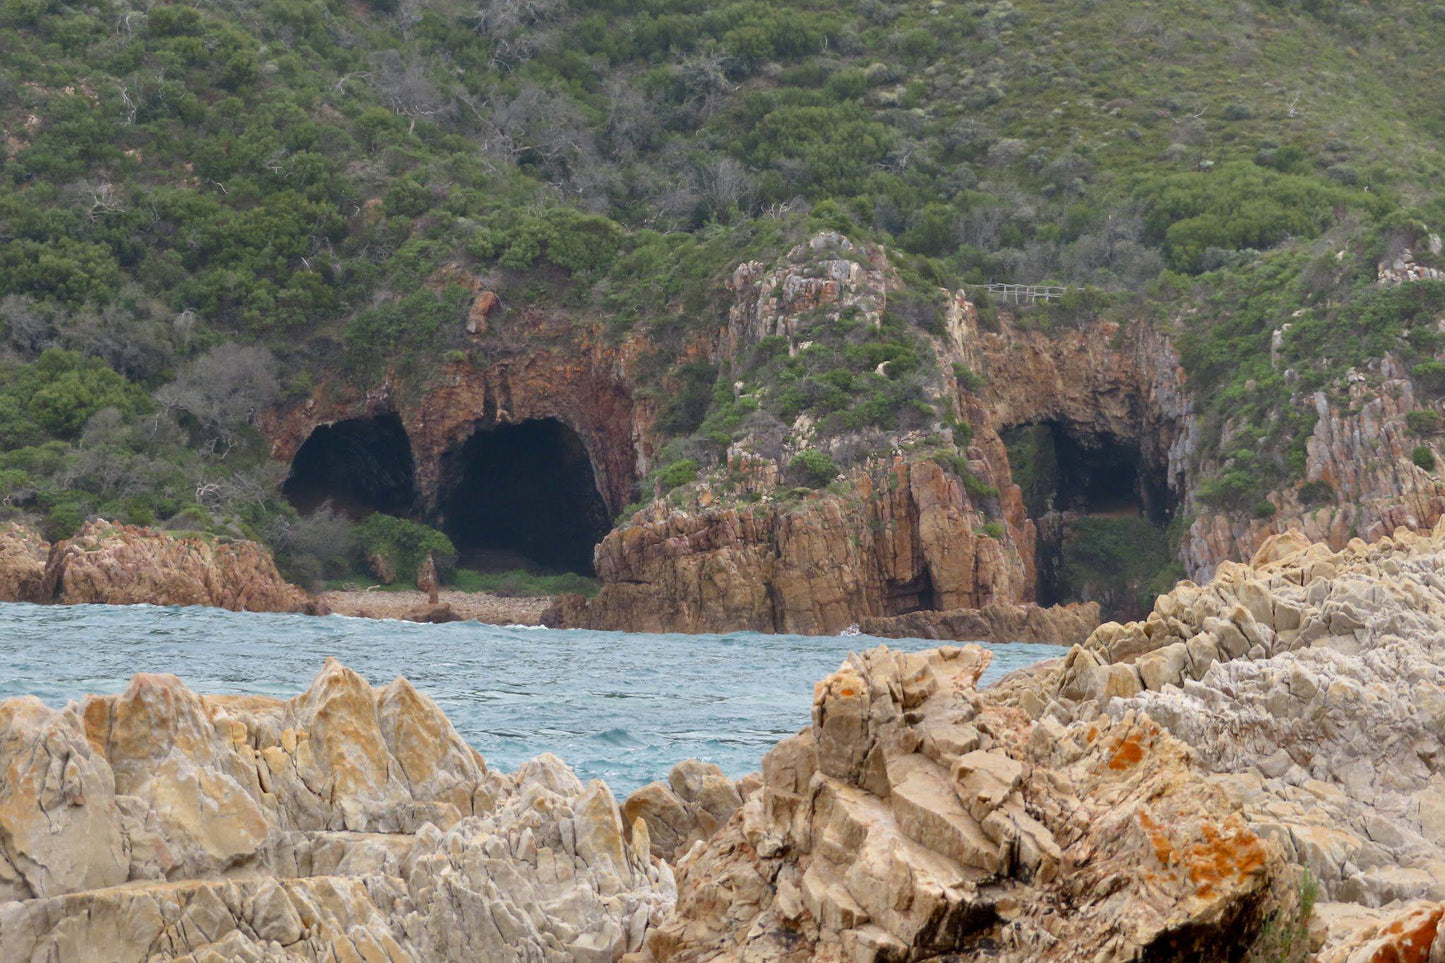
{"type": "Point", "coordinates": [1026, 293]}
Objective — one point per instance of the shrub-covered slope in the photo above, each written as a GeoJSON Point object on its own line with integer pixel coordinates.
{"type": "Point", "coordinates": [207, 210]}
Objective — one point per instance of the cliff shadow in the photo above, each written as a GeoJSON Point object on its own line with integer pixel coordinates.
{"type": "Point", "coordinates": [359, 465]}
{"type": "Point", "coordinates": [522, 492]}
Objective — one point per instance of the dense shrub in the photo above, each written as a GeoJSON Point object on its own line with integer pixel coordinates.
{"type": "Point", "coordinates": [1316, 492]}
{"type": "Point", "coordinates": [405, 544]}
{"type": "Point", "coordinates": [678, 473]}
{"type": "Point", "coordinates": [1423, 457]}
{"type": "Point", "coordinates": [1425, 422]}
{"type": "Point", "coordinates": [812, 468]}
{"type": "Point", "coordinates": [1238, 205]}
{"type": "Point", "coordinates": [1117, 561]}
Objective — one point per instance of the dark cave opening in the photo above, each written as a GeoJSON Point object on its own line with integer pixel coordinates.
{"type": "Point", "coordinates": [1101, 510]}
{"type": "Point", "coordinates": [360, 465]}
{"type": "Point", "coordinates": [915, 595]}
{"type": "Point", "coordinates": [523, 490]}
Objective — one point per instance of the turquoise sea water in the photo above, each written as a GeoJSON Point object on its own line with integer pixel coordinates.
{"type": "Point", "coordinates": [617, 706]}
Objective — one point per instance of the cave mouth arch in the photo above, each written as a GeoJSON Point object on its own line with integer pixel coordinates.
{"type": "Point", "coordinates": [1101, 508]}
{"type": "Point", "coordinates": [526, 489]}
{"type": "Point", "coordinates": [358, 465]}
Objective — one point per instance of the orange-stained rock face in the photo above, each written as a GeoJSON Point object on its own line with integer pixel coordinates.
{"type": "Point", "coordinates": [22, 564]}
{"type": "Point", "coordinates": [562, 372]}
{"type": "Point", "coordinates": [127, 564]}
{"type": "Point", "coordinates": [816, 567]}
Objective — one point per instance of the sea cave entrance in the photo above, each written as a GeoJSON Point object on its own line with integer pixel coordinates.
{"type": "Point", "coordinates": [522, 496]}
{"type": "Point", "coordinates": [1101, 510]}
{"type": "Point", "coordinates": [359, 466]}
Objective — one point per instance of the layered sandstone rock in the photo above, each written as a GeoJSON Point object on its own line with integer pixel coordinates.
{"type": "Point", "coordinates": [106, 563]}
{"type": "Point", "coordinates": [913, 820]}
{"type": "Point", "coordinates": [126, 564]}
{"type": "Point", "coordinates": [913, 534]}
{"type": "Point", "coordinates": [347, 823]}
{"type": "Point", "coordinates": [998, 622]}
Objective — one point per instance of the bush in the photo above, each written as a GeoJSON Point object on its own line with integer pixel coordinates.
{"type": "Point", "coordinates": [1423, 457]}
{"type": "Point", "coordinates": [405, 544]}
{"type": "Point", "coordinates": [1265, 509]}
{"type": "Point", "coordinates": [1316, 492]}
{"type": "Point", "coordinates": [1425, 422]}
{"type": "Point", "coordinates": [968, 379]}
{"type": "Point", "coordinates": [1430, 376]}
{"type": "Point", "coordinates": [678, 473]}
{"type": "Point", "coordinates": [1228, 491]}
{"type": "Point", "coordinates": [315, 547]}
{"type": "Point", "coordinates": [812, 468]}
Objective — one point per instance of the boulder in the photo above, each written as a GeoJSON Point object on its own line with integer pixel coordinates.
{"type": "Point", "coordinates": [914, 820]}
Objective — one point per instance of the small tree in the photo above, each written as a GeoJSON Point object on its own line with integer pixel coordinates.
{"type": "Point", "coordinates": [222, 390]}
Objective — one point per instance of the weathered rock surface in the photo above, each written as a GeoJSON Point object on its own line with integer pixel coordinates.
{"type": "Point", "coordinates": [126, 564]}
{"type": "Point", "coordinates": [816, 567]}
{"type": "Point", "coordinates": [686, 809]}
{"type": "Point", "coordinates": [349, 823]}
{"type": "Point", "coordinates": [111, 564]}
{"type": "Point", "coordinates": [1310, 685]}
{"type": "Point", "coordinates": [913, 821]}
{"type": "Point", "coordinates": [22, 564]}
{"type": "Point", "coordinates": [999, 622]}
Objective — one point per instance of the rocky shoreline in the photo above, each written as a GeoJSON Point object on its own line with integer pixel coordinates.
{"type": "Point", "coordinates": [457, 606]}
{"type": "Point", "coordinates": [1251, 773]}
{"type": "Point", "coordinates": [112, 564]}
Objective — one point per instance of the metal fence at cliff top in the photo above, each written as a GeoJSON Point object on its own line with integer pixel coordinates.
{"type": "Point", "coordinates": [1026, 293]}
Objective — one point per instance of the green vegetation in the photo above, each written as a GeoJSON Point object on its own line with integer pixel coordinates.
{"type": "Point", "coordinates": [308, 186]}
{"type": "Point", "coordinates": [404, 545]}
{"type": "Point", "coordinates": [522, 583]}
{"type": "Point", "coordinates": [1425, 422]}
{"type": "Point", "coordinates": [1123, 562]}
{"type": "Point", "coordinates": [1034, 461]}
{"type": "Point", "coordinates": [813, 468]}
{"type": "Point", "coordinates": [678, 473]}
{"type": "Point", "coordinates": [1423, 457]}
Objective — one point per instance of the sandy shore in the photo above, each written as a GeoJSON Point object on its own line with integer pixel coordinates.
{"type": "Point", "coordinates": [482, 606]}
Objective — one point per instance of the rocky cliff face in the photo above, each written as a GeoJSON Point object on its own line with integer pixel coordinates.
{"type": "Point", "coordinates": [539, 367]}
{"type": "Point", "coordinates": [905, 537]}
{"type": "Point", "coordinates": [125, 565]}
{"type": "Point", "coordinates": [348, 823]}
{"type": "Point", "coordinates": [1361, 453]}
{"type": "Point", "coordinates": [736, 552]}
{"type": "Point", "coordinates": [22, 564]}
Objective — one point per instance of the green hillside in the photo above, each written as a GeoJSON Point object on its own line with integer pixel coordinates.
{"type": "Point", "coordinates": [205, 208]}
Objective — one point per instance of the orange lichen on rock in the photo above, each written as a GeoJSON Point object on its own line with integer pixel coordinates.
{"type": "Point", "coordinates": [1225, 858]}
{"type": "Point", "coordinates": [1128, 753]}
{"type": "Point", "coordinates": [1408, 939]}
